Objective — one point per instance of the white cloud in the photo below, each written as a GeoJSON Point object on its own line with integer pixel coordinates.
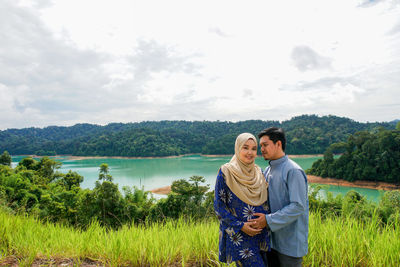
{"type": "Point", "coordinates": [69, 61]}
{"type": "Point", "coordinates": [305, 58]}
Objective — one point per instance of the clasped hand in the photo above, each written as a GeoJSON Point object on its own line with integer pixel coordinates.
{"type": "Point", "coordinates": [254, 226]}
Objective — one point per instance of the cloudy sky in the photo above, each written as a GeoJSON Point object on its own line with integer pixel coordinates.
{"type": "Point", "coordinates": [64, 62]}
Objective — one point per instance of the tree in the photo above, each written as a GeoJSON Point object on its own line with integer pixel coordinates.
{"type": "Point", "coordinates": [103, 175]}
{"type": "Point", "coordinates": [186, 198]}
{"type": "Point", "coordinates": [5, 158]}
{"type": "Point", "coordinates": [328, 156]}
{"type": "Point", "coordinates": [46, 167]}
{"type": "Point", "coordinates": [29, 163]}
{"type": "Point", "coordinates": [390, 206]}
{"type": "Point", "coordinates": [109, 202]}
{"type": "Point", "coordinates": [71, 179]}
{"type": "Point", "coordinates": [339, 147]}
{"type": "Point", "coordinates": [373, 156]}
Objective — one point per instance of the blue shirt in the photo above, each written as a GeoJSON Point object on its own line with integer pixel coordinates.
{"type": "Point", "coordinates": [232, 212]}
{"type": "Point", "coordinates": [288, 201]}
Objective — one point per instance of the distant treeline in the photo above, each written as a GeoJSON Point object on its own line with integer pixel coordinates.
{"type": "Point", "coordinates": [373, 156]}
{"type": "Point", "coordinates": [306, 134]}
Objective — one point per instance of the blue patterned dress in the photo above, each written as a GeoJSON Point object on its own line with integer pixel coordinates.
{"type": "Point", "coordinates": [235, 245]}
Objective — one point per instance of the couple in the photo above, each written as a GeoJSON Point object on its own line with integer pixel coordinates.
{"type": "Point", "coordinates": [263, 216]}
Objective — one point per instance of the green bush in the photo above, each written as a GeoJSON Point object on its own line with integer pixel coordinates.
{"type": "Point", "coordinates": [36, 188]}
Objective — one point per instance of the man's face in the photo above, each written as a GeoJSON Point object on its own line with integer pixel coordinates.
{"type": "Point", "coordinates": [269, 150]}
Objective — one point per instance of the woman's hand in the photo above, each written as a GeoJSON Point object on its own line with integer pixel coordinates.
{"type": "Point", "coordinates": [249, 230]}
{"type": "Point", "coordinates": [260, 222]}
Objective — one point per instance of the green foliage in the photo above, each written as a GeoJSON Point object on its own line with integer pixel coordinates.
{"type": "Point", "coordinates": [186, 199]}
{"type": "Point", "coordinates": [103, 175]}
{"type": "Point", "coordinates": [329, 206]}
{"type": "Point", "coordinates": [307, 134]}
{"type": "Point", "coordinates": [108, 202]}
{"type": "Point", "coordinates": [137, 204]}
{"type": "Point", "coordinates": [5, 159]}
{"type": "Point", "coordinates": [386, 212]}
{"type": "Point", "coordinates": [373, 156]}
{"type": "Point", "coordinates": [390, 207]}
{"type": "Point", "coordinates": [70, 180]}
{"type": "Point", "coordinates": [34, 187]}
{"type": "Point", "coordinates": [337, 148]}
{"type": "Point", "coordinates": [29, 163]}
{"type": "Point", "coordinates": [45, 153]}
{"type": "Point", "coordinates": [46, 168]}
{"type": "Point", "coordinates": [356, 205]}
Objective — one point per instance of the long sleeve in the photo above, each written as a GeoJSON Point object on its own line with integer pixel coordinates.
{"type": "Point", "coordinates": [222, 199]}
{"type": "Point", "coordinates": [297, 189]}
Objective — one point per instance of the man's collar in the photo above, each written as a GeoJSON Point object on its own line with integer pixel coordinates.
{"type": "Point", "coordinates": [276, 162]}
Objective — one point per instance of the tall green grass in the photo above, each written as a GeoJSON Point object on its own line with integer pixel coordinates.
{"type": "Point", "coordinates": [346, 241]}
{"type": "Point", "coordinates": [155, 244]}
{"type": "Point", "coordinates": [341, 241]}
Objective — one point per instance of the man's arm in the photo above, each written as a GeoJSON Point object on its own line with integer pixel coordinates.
{"type": "Point", "coordinates": [297, 187]}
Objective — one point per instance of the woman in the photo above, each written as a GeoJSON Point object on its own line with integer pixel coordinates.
{"type": "Point", "coordinates": [241, 191]}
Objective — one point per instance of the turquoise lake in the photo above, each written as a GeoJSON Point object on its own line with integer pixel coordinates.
{"type": "Point", "coordinates": [151, 173]}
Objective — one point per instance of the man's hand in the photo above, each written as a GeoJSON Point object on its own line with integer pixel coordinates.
{"type": "Point", "coordinates": [250, 229]}
{"type": "Point", "coordinates": [260, 222]}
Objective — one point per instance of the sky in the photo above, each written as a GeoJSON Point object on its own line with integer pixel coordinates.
{"type": "Point", "coordinates": [64, 62]}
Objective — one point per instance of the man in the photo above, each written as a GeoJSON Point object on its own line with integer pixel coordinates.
{"type": "Point", "coordinates": [288, 201]}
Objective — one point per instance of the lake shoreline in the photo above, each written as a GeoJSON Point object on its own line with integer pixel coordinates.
{"type": "Point", "coordinates": [359, 183]}
{"type": "Point", "coordinates": [165, 190]}
{"type": "Point", "coordinates": [71, 157]}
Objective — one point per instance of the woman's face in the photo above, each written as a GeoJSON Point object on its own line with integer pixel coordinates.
{"type": "Point", "coordinates": [248, 153]}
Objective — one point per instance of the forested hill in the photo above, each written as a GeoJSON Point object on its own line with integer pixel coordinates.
{"type": "Point", "coordinates": [371, 156]}
{"type": "Point", "coordinates": [306, 134]}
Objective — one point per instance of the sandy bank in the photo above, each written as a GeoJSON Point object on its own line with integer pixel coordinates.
{"type": "Point", "coordinates": [120, 157]}
{"type": "Point", "coordinates": [361, 184]}
{"type": "Point", "coordinates": [117, 157]}
{"type": "Point", "coordinates": [165, 190]}
{"type": "Point", "coordinates": [164, 157]}
{"type": "Point", "coordinates": [305, 156]}
{"type": "Point", "coordinates": [167, 157]}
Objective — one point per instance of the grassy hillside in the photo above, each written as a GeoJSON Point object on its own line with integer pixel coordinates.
{"type": "Point", "coordinates": [337, 241]}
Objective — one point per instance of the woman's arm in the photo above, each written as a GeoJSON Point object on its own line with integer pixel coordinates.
{"type": "Point", "coordinates": [221, 202]}
{"type": "Point", "coordinates": [221, 196]}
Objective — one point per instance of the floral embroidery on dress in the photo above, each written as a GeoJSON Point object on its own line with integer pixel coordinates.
{"type": "Point", "coordinates": [265, 206]}
{"type": "Point", "coordinates": [246, 253]}
{"type": "Point", "coordinates": [233, 211]}
{"type": "Point", "coordinates": [264, 246]}
{"type": "Point", "coordinates": [230, 231]}
{"type": "Point", "coordinates": [229, 259]}
{"type": "Point", "coordinates": [236, 239]}
{"type": "Point", "coordinates": [248, 212]}
{"type": "Point", "coordinates": [222, 195]}
{"type": "Point", "coordinates": [228, 196]}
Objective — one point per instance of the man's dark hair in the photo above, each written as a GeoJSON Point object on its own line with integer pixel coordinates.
{"type": "Point", "coordinates": [275, 134]}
